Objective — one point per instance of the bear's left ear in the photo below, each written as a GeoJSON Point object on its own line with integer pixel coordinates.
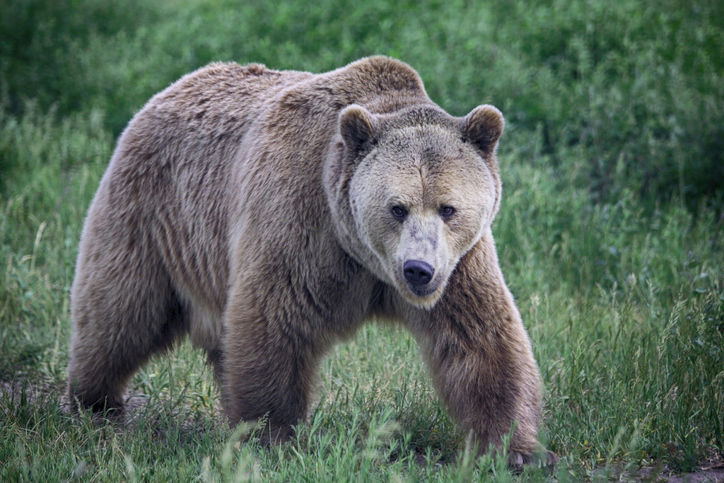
{"type": "Point", "coordinates": [483, 127]}
{"type": "Point", "coordinates": [356, 126]}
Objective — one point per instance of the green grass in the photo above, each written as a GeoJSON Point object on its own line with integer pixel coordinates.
{"type": "Point", "coordinates": [610, 234]}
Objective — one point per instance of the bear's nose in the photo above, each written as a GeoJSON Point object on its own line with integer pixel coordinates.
{"type": "Point", "coordinates": [418, 273]}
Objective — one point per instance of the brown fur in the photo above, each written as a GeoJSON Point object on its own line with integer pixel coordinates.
{"type": "Point", "coordinates": [250, 209]}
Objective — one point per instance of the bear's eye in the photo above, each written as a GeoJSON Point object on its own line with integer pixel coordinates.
{"type": "Point", "coordinates": [446, 212]}
{"type": "Point", "coordinates": [399, 212]}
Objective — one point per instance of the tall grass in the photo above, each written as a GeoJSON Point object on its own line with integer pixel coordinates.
{"type": "Point", "coordinates": [609, 232]}
{"type": "Point", "coordinates": [635, 90]}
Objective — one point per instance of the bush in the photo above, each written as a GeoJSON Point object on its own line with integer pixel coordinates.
{"type": "Point", "coordinates": [634, 90]}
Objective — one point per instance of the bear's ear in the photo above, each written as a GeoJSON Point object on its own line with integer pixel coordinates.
{"type": "Point", "coordinates": [483, 127]}
{"type": "Point", "coordinates": [356, 126]}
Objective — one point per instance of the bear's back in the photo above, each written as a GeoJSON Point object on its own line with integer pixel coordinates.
{"type": "Point", "coordinates": [222, 139]}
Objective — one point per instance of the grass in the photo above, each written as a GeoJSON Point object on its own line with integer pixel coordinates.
{"type": "Point", "coordinates": [610, 233]}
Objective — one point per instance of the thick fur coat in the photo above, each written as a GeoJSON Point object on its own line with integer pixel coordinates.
{"type": "Point", "coordinates": [268, 214]}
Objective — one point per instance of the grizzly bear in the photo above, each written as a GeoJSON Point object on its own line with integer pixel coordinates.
{"type": "Point", "coordinates": [268, 214]}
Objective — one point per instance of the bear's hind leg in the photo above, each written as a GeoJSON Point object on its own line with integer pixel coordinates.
{"type": "Point", "coordinates": [123, 312]}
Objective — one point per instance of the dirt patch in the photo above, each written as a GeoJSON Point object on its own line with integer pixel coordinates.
{"type": "Point", "coordinates": [709, 470]}
{"type": "Point", "coordinates": [703, 474]}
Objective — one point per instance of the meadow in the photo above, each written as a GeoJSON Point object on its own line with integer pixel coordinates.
{"type": "Point", "coordinates": [610, 233]}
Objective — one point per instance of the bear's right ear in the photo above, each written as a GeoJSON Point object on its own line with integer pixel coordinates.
{"type": "Point", "coordinates": [483, 127]}
{"type": "Point", "coordinates": [356, 126]}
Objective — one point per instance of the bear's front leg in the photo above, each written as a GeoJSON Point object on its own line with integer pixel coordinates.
{"type": "Point", "coordinates": [480, 356]}
{"type": "Point", "coordinates": [268, 363]}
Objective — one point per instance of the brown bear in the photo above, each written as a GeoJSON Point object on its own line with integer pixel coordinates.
{"type": "Point", "coordinates": [267, 214]}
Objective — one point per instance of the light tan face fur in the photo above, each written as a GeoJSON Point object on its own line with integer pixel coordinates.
{"type": "Point", "coordinates": [447, 195]}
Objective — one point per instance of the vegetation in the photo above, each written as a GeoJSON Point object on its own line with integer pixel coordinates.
{"type": "Point", "coordinates": [610, 232]}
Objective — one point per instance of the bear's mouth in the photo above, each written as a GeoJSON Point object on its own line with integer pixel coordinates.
{"type": "Point", "coordinates": [424, 296]}
{"type": "Point", "coordinates": [423, 291]}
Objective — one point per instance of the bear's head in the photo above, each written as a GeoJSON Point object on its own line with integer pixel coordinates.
{"type": "Point", "coordinates": [412, 191]}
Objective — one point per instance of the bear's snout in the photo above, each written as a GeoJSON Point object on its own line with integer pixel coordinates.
{"type": "Point", "coordinates": [418, 273]}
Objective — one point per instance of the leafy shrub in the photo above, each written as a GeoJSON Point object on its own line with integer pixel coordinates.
{"type": "Point", "coordinates": [635, 90]}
